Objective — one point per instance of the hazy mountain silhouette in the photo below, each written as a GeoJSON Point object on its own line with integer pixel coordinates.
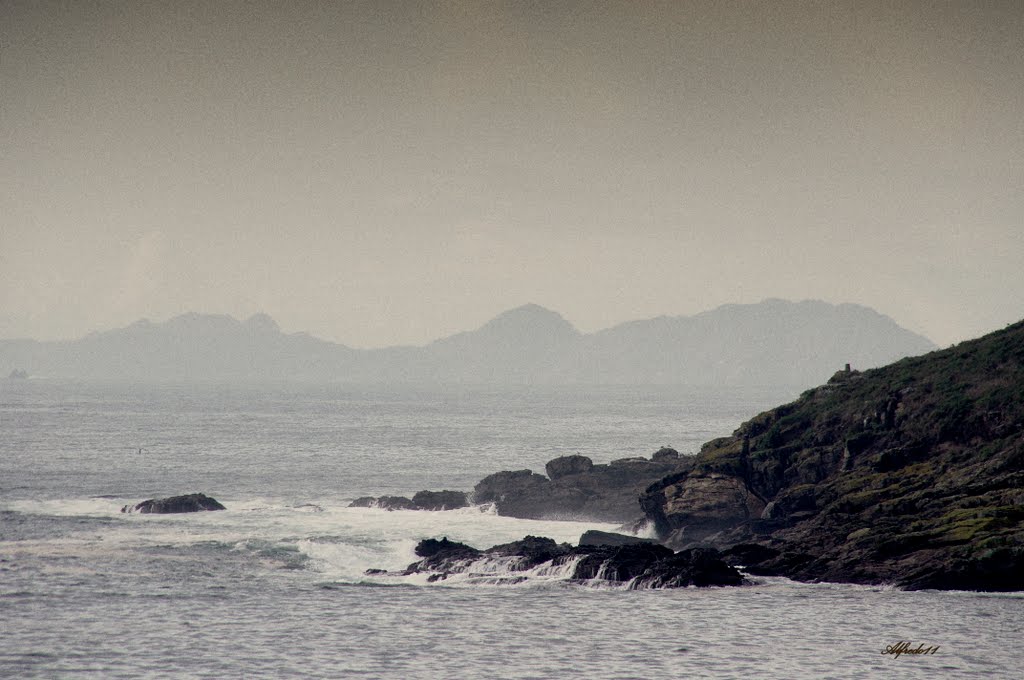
{"type": "Point", "coordinates": [190, 347]}
{"type": "Point", "coordinates": [773, 342]}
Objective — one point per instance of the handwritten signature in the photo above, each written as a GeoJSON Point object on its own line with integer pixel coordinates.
{"type": "Point", "coordinates": [903, 647]}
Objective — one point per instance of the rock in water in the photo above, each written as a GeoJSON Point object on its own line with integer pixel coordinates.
{"type": "Point", "coordinates": [384, 503]}
{"type": "Point", "coordinates": [395, 503]}
{"type": "Point", "coordinates": [193, 502]}
{"type": "Point", "coordinates": [439, 500]}
{"type": "Point", "coordinates": [640, 565]}
{"type": "Point", "coordinates": [577, 488]}
{"type": "Point", "coordinates": [423, 500]}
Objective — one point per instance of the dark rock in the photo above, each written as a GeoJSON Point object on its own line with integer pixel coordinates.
{"type": "Point", "coordinates": [1000, 569]}
{"type": "Point", "coordinates": [748, 554]}
{"type": "Point", "coordinates": [495, 487]}
{"type": "Point", "coordinates": [431, 547]}
{"type": "Point", "coordinates": [698, 567]}
{"type": "Point", "coordinates": [442, 556]}
{"type": "Point", "coordinates": [532, 550]}
{"type": "Point", "coordinates": [395, 503]}
{"type": "Point", "coordinates": [665, 454]}
{"type": "Point", "coordinates": [195, 502]}
{"type": "Point", "coordinates": [619, 563]}
{"type": "Point", "coordinates": [514, 493]}
{"type": "Point", "coordinates": [578, 489]}
{"type": "Point", "coordinates": [595, 537]}
{"type": "Point", "coordinates": [440, 500]}
{"type": "Point", "coordinates": [568, 465]}
{"type": "Point", "coordinates": [423, 500]}
{"type": "Point", "coordinates": [641, 565]}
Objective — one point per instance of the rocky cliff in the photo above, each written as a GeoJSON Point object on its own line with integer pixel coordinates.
{"type": "Point", "coordinates": [910, 474]}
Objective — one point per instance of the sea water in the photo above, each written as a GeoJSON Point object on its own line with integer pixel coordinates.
{"type": "Point", "coordinates": [276, 585]}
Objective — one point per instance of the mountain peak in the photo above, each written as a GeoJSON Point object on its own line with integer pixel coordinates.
{"type": "Point", "coordinates": [263, 322]}
{"type": "Point", "coordinates": [530, 318]}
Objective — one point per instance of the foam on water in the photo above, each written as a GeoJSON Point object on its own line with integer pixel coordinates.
{"type": "Point", "coordinates": [369, 538]}
{"type": "Point", "coordinates": [70, 507]}
{"type": "Point", "coordinates": [335, 541]}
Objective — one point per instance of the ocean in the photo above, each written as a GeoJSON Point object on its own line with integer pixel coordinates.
{"type": "Point", "coordinates": [275, 587]}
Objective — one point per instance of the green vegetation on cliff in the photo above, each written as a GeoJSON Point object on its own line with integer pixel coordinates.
{"type": "Point", "coordinates": [911, 474]}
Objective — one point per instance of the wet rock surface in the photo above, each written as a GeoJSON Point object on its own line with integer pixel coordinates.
{"type": "Point", "coordinates": [439, 500]}
{"type": "Point", "coordinates": [422, 500]}
{"type": "Point", "coordinates": [195, 502]}
{"type": "Point", "coordinates": [637, 566]}
{"type": "Point", "coordinates": [595, 537]}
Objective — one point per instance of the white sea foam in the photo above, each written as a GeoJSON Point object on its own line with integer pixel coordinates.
{"type": "Point", "coordinates": [370, 538]}
{"type": "Point", "coordinates": [70, 507]}
{"type": "Point", "coordinates": [490, 571]}
{"type": "Point", "coordinates": [341, 543]}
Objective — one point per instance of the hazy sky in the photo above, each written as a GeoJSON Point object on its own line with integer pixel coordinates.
{"type": "Point", "coordinates": [382, 173]}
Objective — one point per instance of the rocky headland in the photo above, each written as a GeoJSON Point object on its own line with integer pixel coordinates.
{"type": "Point", "coordinates": [911, 474]}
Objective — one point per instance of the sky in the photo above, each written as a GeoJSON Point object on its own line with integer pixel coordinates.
{"type": "Point", "coordinates": [380, 173]}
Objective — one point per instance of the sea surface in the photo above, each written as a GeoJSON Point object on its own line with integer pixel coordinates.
{"type": "Point", "coordinates": [274, 587]}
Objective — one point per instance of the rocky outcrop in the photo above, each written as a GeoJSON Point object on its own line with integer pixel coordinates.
{"type": "Point", "coordinates": [701, 505]}
{"type": "Point", "coordinates": [595, 537]}
{"type": "Point", "coordinates": [665, 453]}
{"type": "Point", "coordinates": [514, 492]}
{"type": "Point", "coordinates": [384, 503]}
{"type": "Point", "coordinates": [636, 566]}
{"type": "Point", "coordinates": [439, 500]}
{"type": "Point", "coordinates": [909, 474]}
{"type": "Point", "coordinates": [576, 488]}
{"type": "Point", "coordinates": [195, 502]}
{"type": "Point", "coordinates": [422, 500]}
{"type": "Point", "coordinates": [568, 465]}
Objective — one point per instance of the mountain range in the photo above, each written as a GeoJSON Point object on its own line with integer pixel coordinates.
{"type": "Point", "coordinates": [773, 342]}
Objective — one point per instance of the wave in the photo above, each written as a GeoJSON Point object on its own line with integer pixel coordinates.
{"type": "Point", "coordinates": [322, 536]}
